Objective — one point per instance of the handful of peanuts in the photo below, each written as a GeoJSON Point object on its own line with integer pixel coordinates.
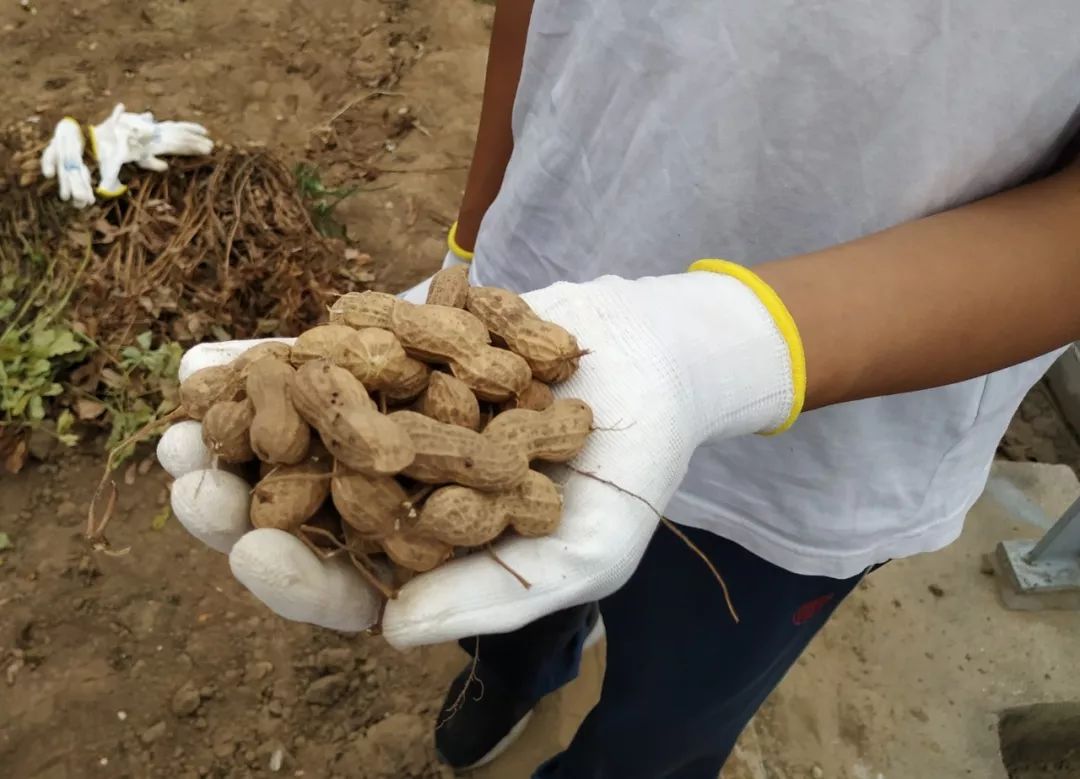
{"type": "Point", "coordinates": [400, 429]}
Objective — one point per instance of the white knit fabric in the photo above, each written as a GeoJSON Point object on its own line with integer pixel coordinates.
{"type": "Point", "coordinates": [652, 133]}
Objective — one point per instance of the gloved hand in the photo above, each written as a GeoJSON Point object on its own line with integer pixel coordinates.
{"type": "Point", "coordinates": [455, 255]}
{"type": "Point", "coordinates": [126, 137]}
{"type": "Point", "coordinates": [63, 158]}
{"type": "Point", "coordinates": [673, 361]}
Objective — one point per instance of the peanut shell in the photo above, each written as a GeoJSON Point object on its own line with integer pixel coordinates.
{"type": "Point", "coordinates": [449, 453]}
{"type": "Point", "coordinates": [363, 309]}
{"type": "Point", "coordinates": [448, 399]}
{"type": "Point", "coordinates": [225, 430]}
{"type": "Point", "coordinates": [372, 505]}
{"type": "Point", "coordinates": [207, 386]}
{"type": "Point", "coordinates": [290, 495]}
{"type": "Point", "coordinates": [335, 403]}
{"type": "Point", "coordinates": [555, 434]}
{"type": "Point", "coordinates": [279, 434]}
{"type": "Point", "coordinates": [551, 352]}
{"type": "Point", "coordinates": [415, 553]}
{"type": "Point", "coordinates": [318, 343]}
{"type": "Point", "coordinates": [449, 287]}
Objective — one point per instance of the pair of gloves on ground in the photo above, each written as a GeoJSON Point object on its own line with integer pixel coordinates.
{"type": "Point", "coordinates": [672, 362]}
{"type": "Point", "coordinates": [122, 138]}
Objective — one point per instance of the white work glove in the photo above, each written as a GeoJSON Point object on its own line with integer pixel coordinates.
{"type": "Point", "coordinates": [455, 255]}
{"type": "Point", "coordinates": [673, 361]}
{"type": "Point", "coordinates": [127, 137]}
{"type": "Point", "coordinates": [63, 158]}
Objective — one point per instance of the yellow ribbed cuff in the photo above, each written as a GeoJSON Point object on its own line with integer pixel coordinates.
{"type": "Point", "coordinates": [455, 249]}
{"type": "Point", "coordinates": [784, 323]}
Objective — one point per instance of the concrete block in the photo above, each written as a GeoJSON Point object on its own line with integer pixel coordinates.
{"type": "Point", "coordinates": [1027, 586]}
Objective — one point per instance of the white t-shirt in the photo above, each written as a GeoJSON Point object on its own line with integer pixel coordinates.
{"type": "Point", "coordinates": [652, 133]}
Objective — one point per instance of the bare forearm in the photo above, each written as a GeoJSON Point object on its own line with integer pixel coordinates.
{"type": "Point", "coordinates": [494, 137]}
{"type": "Point", "coordinates": [941, 299]}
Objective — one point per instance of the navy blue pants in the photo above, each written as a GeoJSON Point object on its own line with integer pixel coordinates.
{"type": "Point", "coordinates": [682, 678]}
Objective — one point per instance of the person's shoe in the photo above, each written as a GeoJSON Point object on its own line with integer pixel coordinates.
{"type": "Point", "coordinates": [476, 727]}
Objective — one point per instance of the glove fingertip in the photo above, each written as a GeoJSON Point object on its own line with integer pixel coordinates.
{"type": "Point", "coordinates": [181, 449]}
{"type": "Point", "coordinates": [279, 570]}
{"type": "Point", "coordinates": [213, 506]}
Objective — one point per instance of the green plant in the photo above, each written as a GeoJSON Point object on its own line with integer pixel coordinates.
{"type": "Point", "coordinates": [37, 344]}
{"type": "Point", "coordinates": [143, 389]}
{"type": "Point", "coordinates": [321, 200]}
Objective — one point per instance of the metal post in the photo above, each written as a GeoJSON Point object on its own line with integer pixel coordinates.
{"type": "Point", "coordinates": [1060, 541]}
{"type": "Point", "coordinates": [1044, 574]}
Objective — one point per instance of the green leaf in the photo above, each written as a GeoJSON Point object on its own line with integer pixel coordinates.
{"type": "Point", "coordinates": [64, 422]}
{"type": "Point", "coordinates": [5, 542]}
{"type": "Point", "coordinates": [36, 408]}
{"type": "Point", "coordinates": [38, 367]}
{"type": "Point", "coordinates": [63, 343]}
{"type": "Point", "coordinates": [52, 390]}
{"type": "Point", "coordinates": [159, 520]}
{"type": "Point", "coordinates": [144, 340]}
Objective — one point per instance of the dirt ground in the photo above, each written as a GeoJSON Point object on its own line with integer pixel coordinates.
{"type": "Point", "coordinates": [157, 663]}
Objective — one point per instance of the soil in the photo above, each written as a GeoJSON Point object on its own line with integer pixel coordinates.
{"type": "Point", "coordinates": [156, 663]}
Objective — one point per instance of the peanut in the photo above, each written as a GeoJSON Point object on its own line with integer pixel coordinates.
{"type": "Point", "coordinates": [449, 287]}
{"type": "Point", "coordinates": [536, 397]}
{"type": "Point", "coordinates": [363, 309]}
{"type": "Point", "coordinates": [290, 495]}
{"type": "Point", "coordinates": [551, 352]}
{"type": "Point", "coordinates": [275, 349]}
{"type": "Point", "coordinates": [415, 553]}
{"type": "Point", "coordinates": [375, 356]}
{"type": "Point", "coordinates": [453, 336]}
{"type": "Point", "coordinates": [207, 386]}
{"type": "Point", "coordinates": [449, 453]}
{"type": "Point", "coordinates": [225, 430]}
{"type": "Point", "coordinates": [555, 434]}
{"type": "Point", "coordinates": [335, 403]}
{"type": "Point", "coordinates": [372, 505]}
{"type": "Point", "coordinates": [464, 517]}
{"type": "Point", "coordinates": [318, 343]}
{"type": "Point", "coordinates": [449, 400]}
{"type": "Point", "coordinates": [358, 543]}
{"type": "Point", "coordinates": [278, 433]}
{"type": "Point", "coordinates": [437, 333]}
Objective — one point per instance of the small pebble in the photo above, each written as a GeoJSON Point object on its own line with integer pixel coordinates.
{"type": "Point", "coordinates": [153, 733]}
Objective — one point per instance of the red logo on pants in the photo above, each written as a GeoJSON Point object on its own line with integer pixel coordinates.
{"type": "Point", "coordinates": [809, 610]}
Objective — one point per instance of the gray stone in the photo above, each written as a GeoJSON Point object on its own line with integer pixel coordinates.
{"type": "Point", "coordinates": [327, 690]}
{"type": "Point", "coordinates": [186, 700]}
{"type": "Point", "coordinates": [153, 733]}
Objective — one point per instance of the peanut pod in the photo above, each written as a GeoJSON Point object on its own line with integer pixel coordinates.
{"type": "Point", "coordinates": [374, 506]}
{"type": "Point", "coordinates": [465, 517]}
{"type": "Point", "coordinates": [448, 399]}
{"type": "Point", "coordinates": [415, 553]}
{"type": "Point", "coordinates": [457, 338]}
{"type": "Point", "coordinates": [551, 352]}
{"type": "Point", "coordinates": [318, 343]}
{"type": "Point", "coordinates": [289, 495]}
{"type": "Point", "coordinates": [363, 309]}
{"type": "Point", "coordinates": [226, 430]}
{"type": "Point", "coordinates": [335, 403]}
{"type": "Point", "coordinates": [279, 434]}
{"type": "Point", "coordinates": [449, 453]}
{"type": "Point", "coordinates": [377, 359]}
{"type": "Point", "coordinates": [449, 287]}
{"type": "Point", "coordinates": [555, 434]}
{"type": "Point", "coordinates": [207, 386]}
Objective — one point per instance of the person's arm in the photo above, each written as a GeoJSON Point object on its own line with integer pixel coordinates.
{"type": "Point", "coordinates": [939, 300]}
{"type": "Point", "coordinates": [494, 137]}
